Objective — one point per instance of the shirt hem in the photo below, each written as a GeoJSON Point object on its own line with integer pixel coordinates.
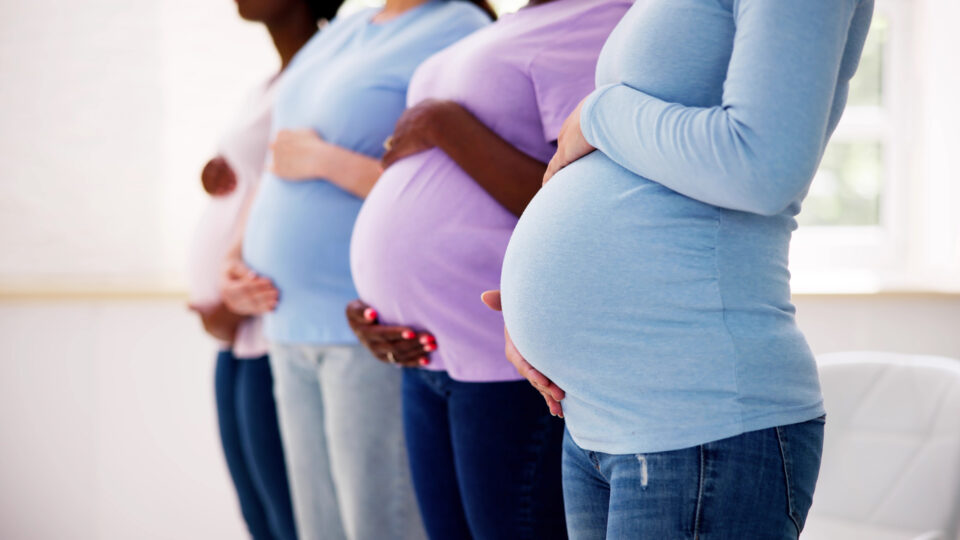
{"type": "Point", "coordinates": [666, 441]}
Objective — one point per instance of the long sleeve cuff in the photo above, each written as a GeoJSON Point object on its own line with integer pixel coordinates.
{"type": "Point", "coordinates": [587, 114]}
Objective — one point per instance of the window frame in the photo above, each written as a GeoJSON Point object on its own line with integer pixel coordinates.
{"type": "Point", "coordinates": [894, 254]}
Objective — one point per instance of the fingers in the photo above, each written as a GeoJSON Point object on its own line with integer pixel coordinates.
{"type": "Point", "coordinates": [374, 333]}
{"type": "Point", "coordinates": [404, 354]}
{"type": "Point", "coordinates": [556, 409]}
{"type": "Point", "coordinates": [552, 168]}
{"type": "Point", "coordinates": [537, 379]}
{"type": "Point", "coordinates": [250, 296]}
{"type": "Point", "coordinates": [492, 300]}
{"type": "Point", "coordinates": [254, 304]}
{"type": "Point", "coordinates": [400, 149]}
{"type": "Point", "coordinates": [237, 270]}
{"type": "Point", "coordinates": [359, 312]}
{"type": "Point", "coordinates": [405, 348]}
{"type": "Point", "coordinates": [389, 158]}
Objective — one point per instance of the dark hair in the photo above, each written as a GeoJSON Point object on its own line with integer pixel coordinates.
{"type": "Point", "coordinates": [327, 9]}
{"type": "Point", "coordinates": [324, 9]}
{"type": "Point", "coordinates": [486, 7]}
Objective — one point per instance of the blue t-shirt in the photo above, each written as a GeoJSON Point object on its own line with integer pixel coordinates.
{"type": "Point", "coordinates": [349, 83]}
{"type": "Point", "coordinates": [649, 279]}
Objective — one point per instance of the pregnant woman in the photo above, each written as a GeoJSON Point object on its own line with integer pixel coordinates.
{"type": "Point", "coordinates": [465, 160]}
{"type": "Point", "coordinates": [246, 411]}
{"type": "Point", "coordinates": [648, 279]}
{"type": "Point", "coordinates": [339, 410]}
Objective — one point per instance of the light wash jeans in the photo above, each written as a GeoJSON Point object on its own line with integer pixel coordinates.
{"type": "Point", "coordinates": [339, 410]}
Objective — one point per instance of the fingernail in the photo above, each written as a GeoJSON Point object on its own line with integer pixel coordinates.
{"type": "Point", "coordinates": [370, 314]}
{"type": "Point", "coordinates": [427, 339]}
{"type": "Point", "coordinates": [423, 361]}
{"type": "Point", "coordinates": [408, 334]}
{"type": "Point", "coordinates": [430, 347]}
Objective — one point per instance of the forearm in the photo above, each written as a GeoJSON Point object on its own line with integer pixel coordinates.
{"type": "Point", "coordinates": [356, 173]}
{"type": "Point", "coordinates": [756, 151]}
{"type": "Point", "coordinates": [510, 176]}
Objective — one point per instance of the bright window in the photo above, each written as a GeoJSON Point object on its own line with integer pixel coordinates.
{"type": "Point", "coordinates": [878, 217]}
{"type": "Point", "coordinates": [848, 188]}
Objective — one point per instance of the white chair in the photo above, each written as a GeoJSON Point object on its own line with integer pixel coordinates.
{"type": "Point", "coordinates": [891, 458]}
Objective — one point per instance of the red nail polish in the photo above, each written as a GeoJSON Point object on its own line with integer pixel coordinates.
{"type": "Point", "coordinates": [423, 361]}
{"type": "Point", "coordinates": [427, 339]}
{"type": "Point", "coordinates": [430, 347]}
{"type": "Point", "coordinates": [408, 334]}
{"type": "Point", "coordinates": [370, 314]}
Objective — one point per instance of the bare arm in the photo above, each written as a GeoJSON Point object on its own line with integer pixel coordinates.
{"type": "Point", "coordinates": [507, 174]}
{"type": "Point", "coordinates": [302, 155]}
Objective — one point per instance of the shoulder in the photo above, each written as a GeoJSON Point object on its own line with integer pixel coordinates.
{"type": "Point", "coordinates": [350, 19]}
{"type": "Point", "coordinates": [582, 31]}
{"type": "Point", "coordinates": [601, 16]}
{"type": "Point", "coordinates": [460, 13]}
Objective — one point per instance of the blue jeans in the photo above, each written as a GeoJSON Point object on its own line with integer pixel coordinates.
{"type": "Point", "coordinates": [757, 485]}
{"type": "Point", "coordinates": [485, 458]}
{"type": "Point", "coordinates": [339, 411]}
{"type": "Point", "coordinates": [250, 436]}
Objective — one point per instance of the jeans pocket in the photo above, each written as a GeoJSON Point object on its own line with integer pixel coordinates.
{"type": "Point", "coordinates": [801, 448]}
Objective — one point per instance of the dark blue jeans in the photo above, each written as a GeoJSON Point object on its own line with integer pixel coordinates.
{"type": "Point", "coordinates": [251, 442]}
{"type": "Point", "coordinates": [758, 485]}
{"type": "Point", "coordinates": [485, 458]}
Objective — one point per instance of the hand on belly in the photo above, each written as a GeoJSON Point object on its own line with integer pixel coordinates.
{"type": "Point", "coordinates": [551, 393]}
{"type": "Point", "coordinates": [571, 145]}
{"type": "Point", "coordinates": [398, 345]}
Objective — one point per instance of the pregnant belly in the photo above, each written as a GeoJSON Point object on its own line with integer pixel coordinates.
{"type": "Point", "coordinates": [298, 235]}
{"type": "Point", "coordinates": [428, 233]}
{"type": "Point", "coordinates": [605, 267]}
{"type": "Point", "coordinates": [428, 241]}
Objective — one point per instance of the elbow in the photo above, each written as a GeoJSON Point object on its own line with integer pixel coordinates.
{"type": "Point", "coordinates": [774, 185]}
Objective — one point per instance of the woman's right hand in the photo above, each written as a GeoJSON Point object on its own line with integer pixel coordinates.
{"type": "Point", "coordinates": [246, 293]}
{"type": "Point", "coordinates": [551, 393]}
{"type": "Point", "coordinates": [397, 345]}
{"type": "Point", "coordinates": [218, 178]}
{"type": "Point", "coordinates": [298, 154]}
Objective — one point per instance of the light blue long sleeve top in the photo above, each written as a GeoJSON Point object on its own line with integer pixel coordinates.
{"type": "Point", "coordinates": [649, 279]}
{"type": "Point", "coordinates": [349, 84]}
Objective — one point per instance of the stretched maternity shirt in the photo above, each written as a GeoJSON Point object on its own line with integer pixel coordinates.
{"type": "Point", "coordinates": [349, 83]}
{"type": "Point", "coordinates": [429, 239]}
{"type": "Point", "coordinates": [244, 147]}
{"type": "Point", "coordinates": [649, 279]}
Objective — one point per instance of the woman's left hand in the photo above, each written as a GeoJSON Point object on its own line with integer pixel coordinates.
{"type": "Point", "coordinates": [398, 345]}
{"type": "Point", "coordinates": [298, 154]}
{"type": "Point", "coordinates": [417, 128]}
{"type": "Point", "coordinates": [218, 321]}
{"type": "Point", "coordinates": [552, 394]}
{"type": "Point", "coordinates": [571, 145]}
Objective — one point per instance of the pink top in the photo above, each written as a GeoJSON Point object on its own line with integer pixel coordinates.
{"type": "Point", "coordinates": [244, 147]}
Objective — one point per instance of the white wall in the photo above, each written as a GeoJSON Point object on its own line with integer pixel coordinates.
{"type": "Point", "coordinates": [910, 323]}
{"type": "Point", "coordinates": [107, 425]}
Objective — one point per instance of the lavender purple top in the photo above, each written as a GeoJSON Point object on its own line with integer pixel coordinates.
{"type": "Point", "coordinates": [429, 240]}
